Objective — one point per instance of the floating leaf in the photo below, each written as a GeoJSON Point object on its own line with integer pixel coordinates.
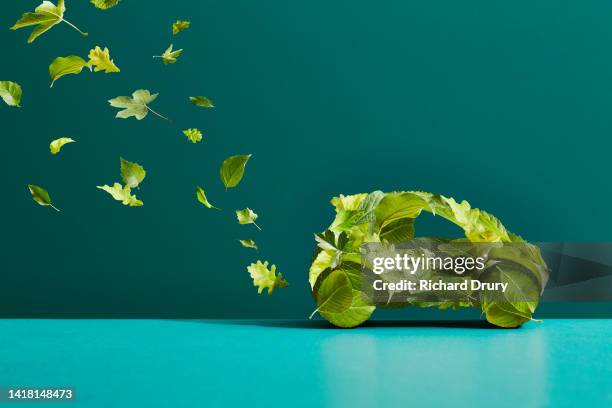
{"type": "Point", "coordinates": [247, 216]}
{"type": "Point", "coordinates": [44, 16]}
{"type": "Point", "coordinates": [104, 4]}
{"type": "Point", "coordinates": [232, 170]}
{"type": "Point", "coordinates": [180, 25]}
{"type": "Point", "coordinates": [193, 134]}
{"type": "Point", "coordinates": [41, 196]}
{"type": "Point", "coordinates": [201, 196]}
{"type": "Point", "coordinates": [169, 56]}
{"type": "Point", "coordinates": [122, 194]}
{"type": "Point", "coordinates": [136, 106]}
{"type": "Point", "coordinates": [61, 66]}
{"type": "Point", "coordinates": [57, 144]}
{"type": "Point", "coordinates": [264, 278]}
{"type": "Point", "coordinates": [132, 174]}
{"type": "Point", "coordinates": [201, 101]}
{"type": "Point", "coordinates": [10, 92]}
{"type": "Point", "coordinates": [101, 60]}
{"type": "Point", "coordinates": [248, 243]}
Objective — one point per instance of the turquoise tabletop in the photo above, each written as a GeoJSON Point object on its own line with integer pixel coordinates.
{"type": "Point", "coordinates": [211, 363]}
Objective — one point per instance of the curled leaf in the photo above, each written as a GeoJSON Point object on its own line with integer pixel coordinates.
{"type": "Point", "coordinates": [232, 170]}
{"type": "Point", "coordinates": [10, 92]}
{"type": "Point", "coordinates": [180, 25]}
{"type": "Point", "coordinates": [247, 216]}
{"type": "Point", "coordinates": [201, 196]}
{"type": "Point", "coordinates": [264, 278]}
{"type": "Point", "coordinates": [104, 4]}
{"type": "Point", "coordinates": [132, 174]}
{"type": "Point", "coordinates": [41, 196]}
{"type": "Point", "coordinates": [137, 105]}
{"type": "Point", "coordinates": [193, 134]}
{"type": "Point", "coordinates": [169, 56]}
{"type": "Point", "coordinates": [201, 101]}
{"type": "Point", "coordinates": [248, 243]}
{"type": "Point", "coordinates": [122, 194]}
{"type": "Point", "coordinates": [61, 66]}
{"type": "Point", "coordinates": [56, 145]}
{"type": "Point", "coordinates": [101, 60]}
{"type": "Point", "coordinates": [45, 16]}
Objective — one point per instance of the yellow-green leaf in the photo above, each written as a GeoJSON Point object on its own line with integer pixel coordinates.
{"type": "Point", "coordinates": [122, 194]}
{"type": "Point", "coordinates": [10, 92]}
{"type": "Point", "coordinates": [57, 144]}
{"type": "Point", "coordinates": [232, 170]}
{"type": "Point", "coordinates": [180, 25]}
{"type": "Point", "coordinates": [248, 243]}
{"type": "Point", "coordinates": [101, 60]}
{"type": "Point", "coordinates": [45, 16]}
{"type": "Point", "coordinates": [61, 66]}
{"type": "Point", "coordinates": [137, 105]}
{"type": "Point", "coordinates": [247, 216]}
{"type": "Point", "coordinates": [104, 4]}
{"type": "Point", "coordinates": [264, 278]}
{"type": "Point", "coordinates": [201, 101]}
{"type": "Point", "coordinates": [169, 56]}
{"type": "Point", "coordinates": [193, 134]}
{"type": "Point", "coordinates": [201, 196]}
{"type": "Point", "coordinates": [41, 196]}
{"type": "Point", "coordinates": [132, 174]}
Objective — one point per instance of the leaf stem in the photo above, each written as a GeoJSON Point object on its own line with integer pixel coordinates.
{"type": "Point", "coordinates": [54, 207]}
{"type": "Point", "coordinates": [313, 313]}
{"type": "Point", "coordinates": [75, 27]}
{"type": "Point", "coordinates": [258, 227]}
{"type": "Point", "coordinates": [155, 113]}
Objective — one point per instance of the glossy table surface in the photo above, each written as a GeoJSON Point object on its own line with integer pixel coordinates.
{"type": "Point", "coordinates": [189, 363]}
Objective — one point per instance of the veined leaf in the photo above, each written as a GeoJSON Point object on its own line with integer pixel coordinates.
{"type": "Point", "coordinates": [132, 174]}
{"type": "Point", "coordinates": [45, 16]}
{"type": "Point", "coordinates": [41, 196]}
{"type": "Point", "coordinates": [180, 25]}
{"type": "Point", "coordinates": [10, 92]}
{"type": "Point", "coordinates": [101, 60]}
{"type": "Point", "coordinates": [232, 170]}
{"type": "Point", "coordinates": [57, 144]}
{"type": "Point", "coordinates": [248, 243]}
{"type": "Point", "coordinates": [122, 194]}
{"type": "Point", "coordinates": [61, 66]}
{"type": "Point", "coordinates": [201, 101]}
{"type": "Point", "coordinates": [264, 278]}
{"type": "Point", "coordinates": [193, 134]}
{"type": "Point", "coordinates": [169, 56]}
{"type": "Point", "coordinates": [104, 4]}
{"type": "Point", "coordinates": [334, 295]}
{"type": "Point", "coordinates": [201, 196]}
{"type": "Point", "coordinates": [247, 216]}
{"type": "Point", "coordinates": [137, 105]}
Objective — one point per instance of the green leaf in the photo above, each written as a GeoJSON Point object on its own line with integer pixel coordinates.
{"type": "Point", "coordinates": [248, 243]}
{"type": "Point", "coordinates": [10, 92]}
{"type": "Point", "coordinates": [45, 16]}
{"type": "Point", "coordinates": [61, 66]}
{"type": "Point", "coordinates": [201, 196]}
{"type": "Point", "coordinates": [232, 170]}
{"type": "Point", "coordinates": [247, 216]}
{"type": "Point", "coordinates": [264, 278]}
{"type": "Point", "coordinates": [193, 134]}
{"type": "Point", "coordinates": [137, 105]}
{"type": "Point", "coordinates": [104, 4]}
{"type": "Point", "coordinates": [169, 56]}
{"type": "Point", "coordinates": [334, 294]}
{"type": "Point", "coordinates": [201, 101]}
{"type": "Point", "coordinates": [132, 174]}
{"type": "Point", "coordinates": [101, 60]}
{"type": "Point", "coordinates": [57, 144]}
{"type": "Point", "coordinates": [41, 196]}
{"type": "Point", "coordinates": [180, 25]}
{"type": "Point", "coordinates": [123, 194]}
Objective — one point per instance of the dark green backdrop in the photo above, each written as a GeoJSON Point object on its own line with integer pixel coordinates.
{"type": "Point", "coordinates": [506, 104]}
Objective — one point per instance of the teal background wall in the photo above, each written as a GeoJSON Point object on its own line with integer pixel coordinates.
{"type": "Point", "coordinates": [505, 104]}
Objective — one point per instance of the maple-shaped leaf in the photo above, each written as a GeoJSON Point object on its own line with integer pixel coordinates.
{"type": "Point", "coordinates": [137, 105]}
{"type": "Point", "coordinates": [45, 16]}
{"type": "Point", "coordinates": [123, 194]}
{"type": "Point", "coordinates": [169, 56]}
{"type": "Point", "coordinates": [101, 60]}
{"type": "Point", "coordinates": [264, 278]}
